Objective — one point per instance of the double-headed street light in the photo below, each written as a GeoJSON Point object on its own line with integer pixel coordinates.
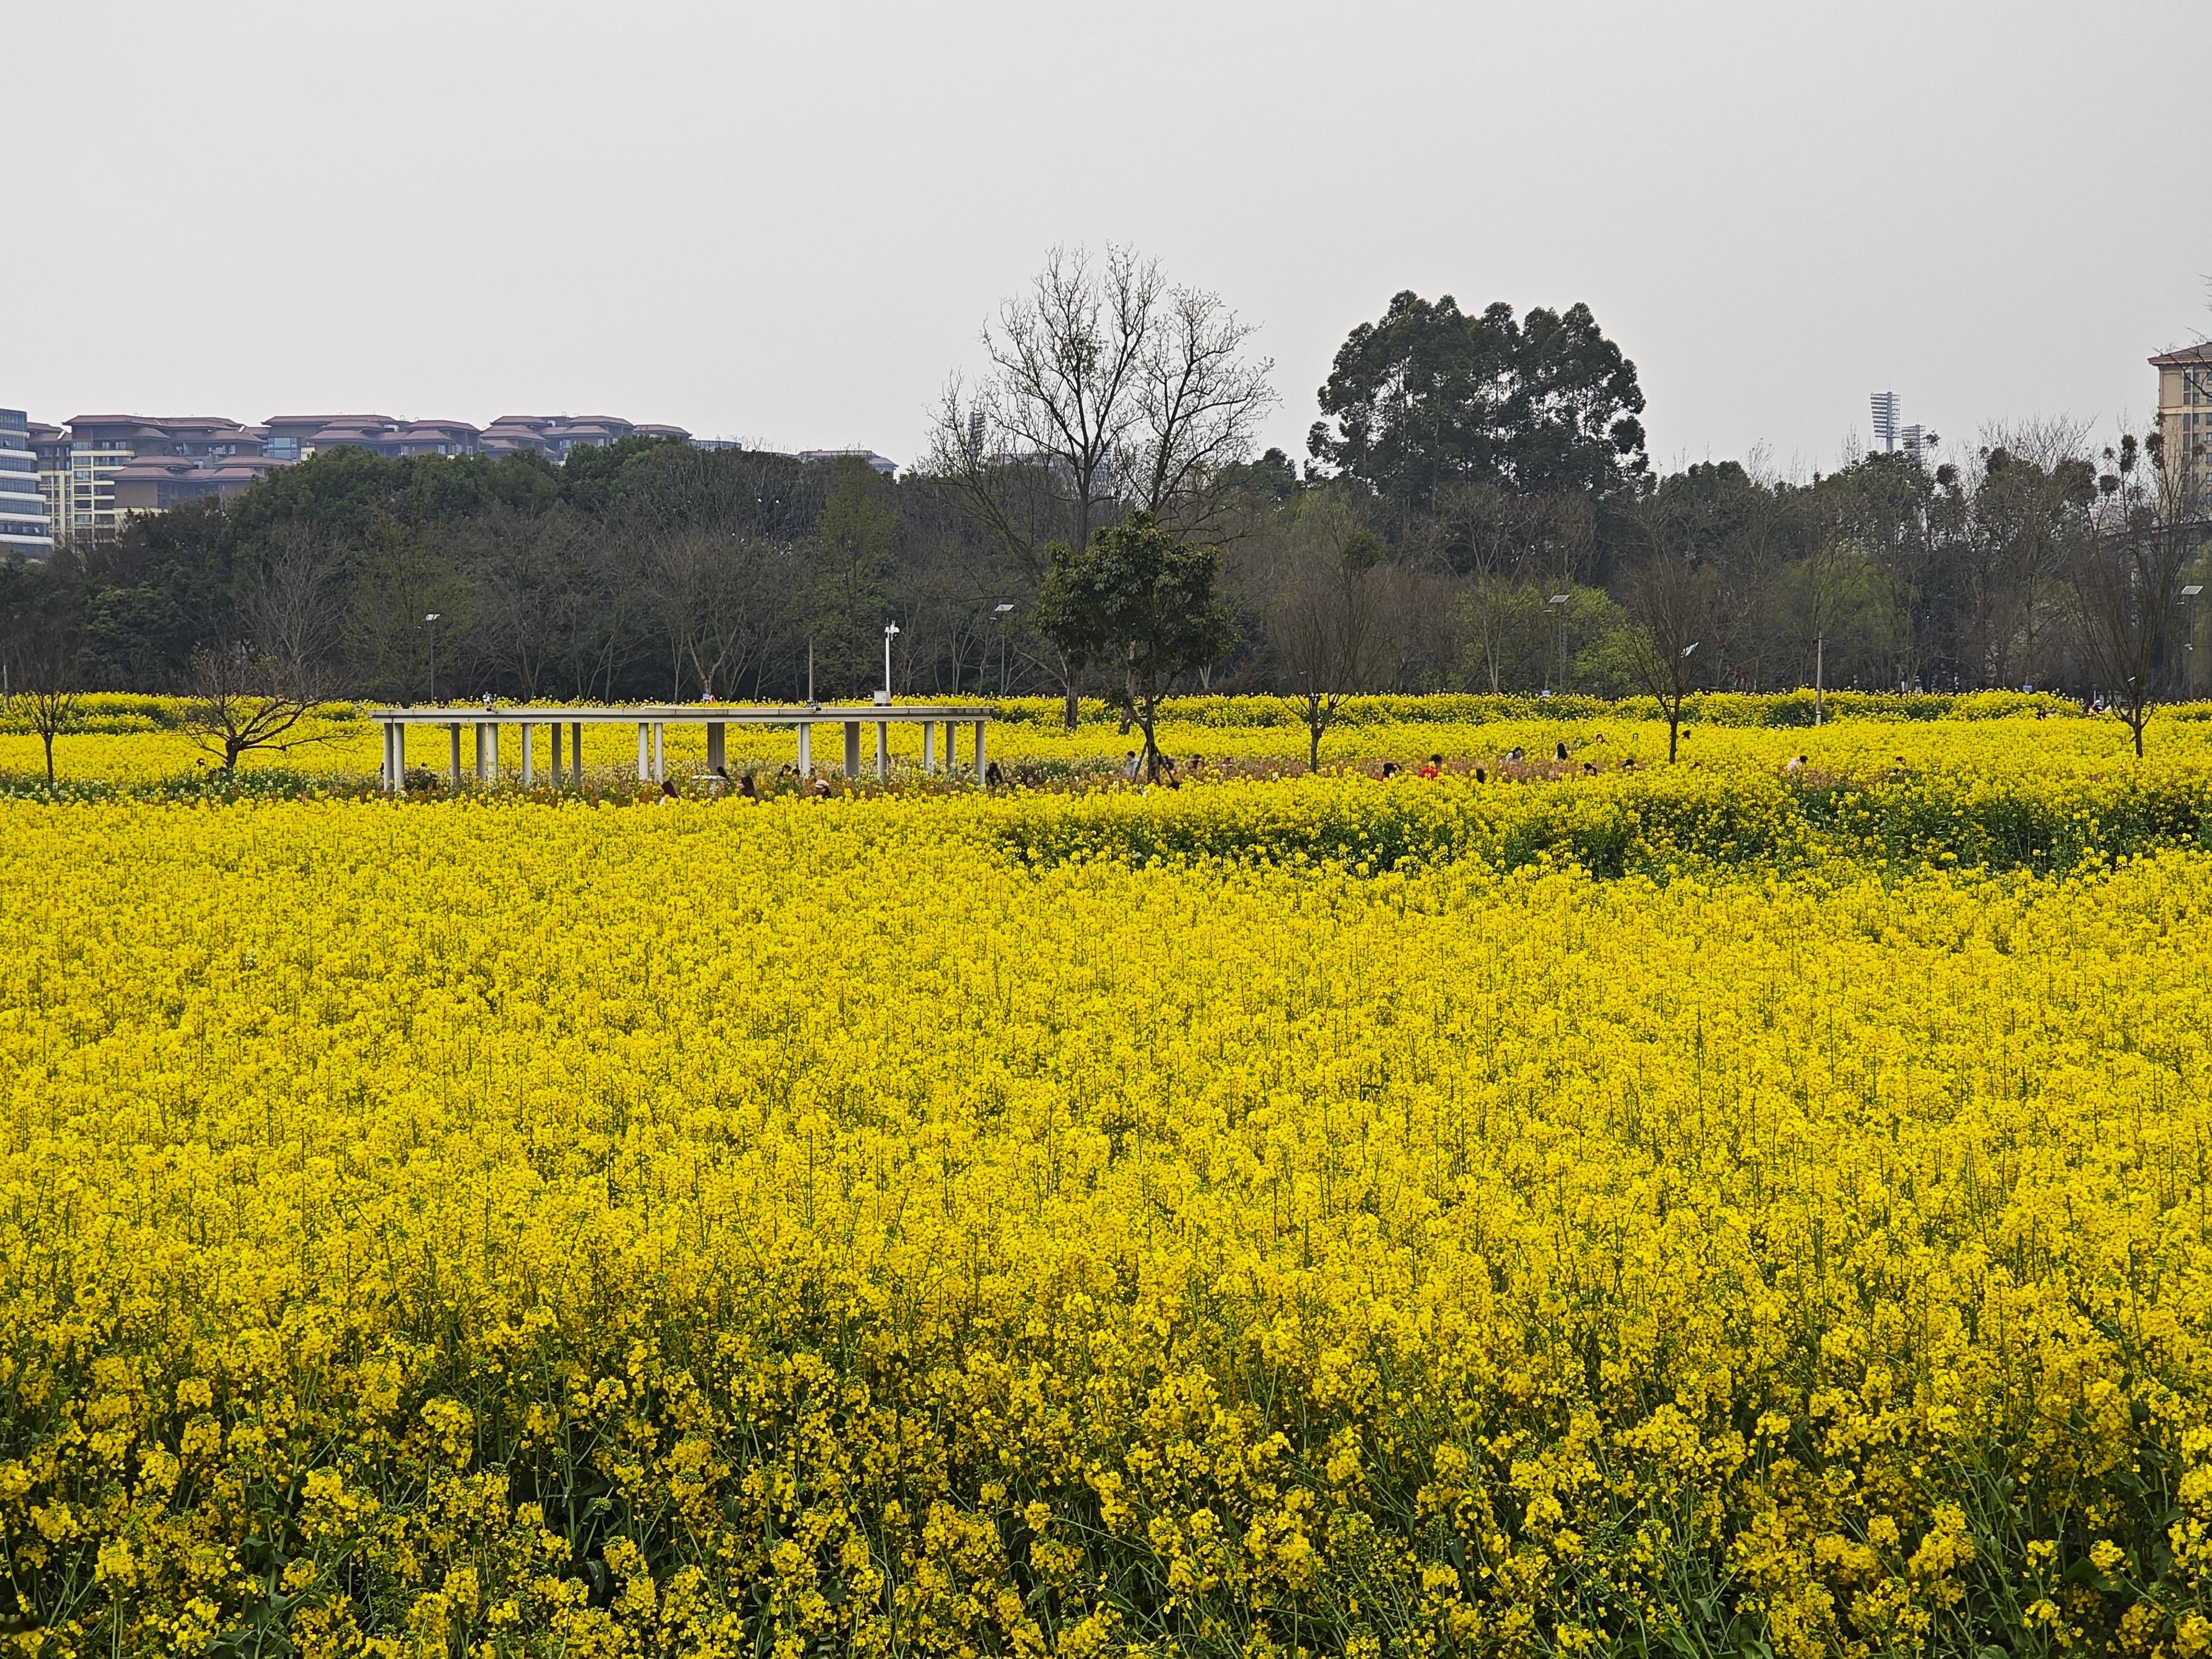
{"type": "Point", "coordinates": [890, 633]}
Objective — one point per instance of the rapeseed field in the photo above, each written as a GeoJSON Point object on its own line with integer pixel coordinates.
{"type": "Point", "coordinates": [1714, 1211]}
{"type": "Point", "coordinates": [138, 741]}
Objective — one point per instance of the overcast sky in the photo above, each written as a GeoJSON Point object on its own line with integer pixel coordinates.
{"type": "Point", "coordinates": [788, 222]}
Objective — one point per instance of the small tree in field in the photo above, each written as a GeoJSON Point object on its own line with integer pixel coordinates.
{"type": "Point", "coordinates": [1144, 606]}
{"type": "Point", "coordinates": [242, 701]}
{"type": "Point", "coordinates": [2126, 574]}
{"type": "Point", "coordinates": [1670, 608]}
{"type": "Point", "coordinates": [246, 696]}
{"type": "Point", "coordinates": [1324, 618]}
{"type": "Point", "coordinates": [44, 684]}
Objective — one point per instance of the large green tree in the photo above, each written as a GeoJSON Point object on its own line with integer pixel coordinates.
{"type": "Point", "coordinates": [1145, 606]}
{"type": "Point", "coordinates": [1430, 395]}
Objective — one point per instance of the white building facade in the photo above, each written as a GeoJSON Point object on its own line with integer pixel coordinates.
{"type": "Point", "coordinates": [25, 528]}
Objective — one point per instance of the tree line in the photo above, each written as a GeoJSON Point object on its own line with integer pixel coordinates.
{"type": "Point", "coordinates": [1476, 510]}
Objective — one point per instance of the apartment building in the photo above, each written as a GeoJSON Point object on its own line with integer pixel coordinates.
{"type": "Point", "coordinates": [25, 527]}
{"type": "Point", "coordinates": [2185, 419]}
{"type": "Point", "coordinates": [868, 458]}
{"type": "Point", "coordinates": [79, 470]}
{"type": "Point", "coordinates": [155, 484]}
{"type": "Point", "coordinates": [554, 436]}
{"type": "Point", "coordinates": [95, 472]}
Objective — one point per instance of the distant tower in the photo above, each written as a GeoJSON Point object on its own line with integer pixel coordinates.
{"type": "Point", "coordinates": [1885, 420]}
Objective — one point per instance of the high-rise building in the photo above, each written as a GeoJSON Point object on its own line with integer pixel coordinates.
{"type": "Point", "coordinates": [2184, 421]}
{"type": "Point", "coordinates": [1890, 433]}
{"type": "Point", "coordinates": [1885, 420]}
{"type": "Point", "coordinates": [24, 525]}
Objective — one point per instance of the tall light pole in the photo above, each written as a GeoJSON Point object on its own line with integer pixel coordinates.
{"type": "Point", "coordinates": [430, 627]}
{"type": "Point", "coordinates": [2189, 687]}
{"type": "Point", "coordinates": [890, 633]}
{"type": "Point", "coordinates": [1001, 613]}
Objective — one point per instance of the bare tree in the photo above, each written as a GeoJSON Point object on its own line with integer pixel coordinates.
{"type": "Point", "coordinates": [44, 680]}
{"type": "Point", "coordinates": [2126, 575]}
{"type": "Point", "coordinates": [1514, 552]}
{"type": "Point", "coordinates": [1323, 615]}
{"type": "Point", "coordinates": [1672, 604]}
{"type": "Point", "coordinates": [1422, 623]}
{"type": "Point", "coordinates": [252, 692]}
{"type": "Point", "coordinates": [1110, 391]}
{"type": "Point", "coordinates": [534, 580]}
{"type": "Point", "coordinates": [712, 588]}
{"type": "Point", "coordinates": [1202, 401]}
{"type": "Point", "coordinates": [2033, 479]}
{"type": "Point", "coordinates": [1831, 583]}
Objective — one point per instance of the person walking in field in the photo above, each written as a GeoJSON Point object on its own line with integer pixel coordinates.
{"type": "Point", "coordinates": [1130, 767]}
{"type": "Point", "coordinates": [1435, 768]}
{"type": "Point", "coordinates": [1559, 750]}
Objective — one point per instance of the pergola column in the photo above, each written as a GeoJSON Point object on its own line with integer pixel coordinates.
{"type": "Point", "coordinates": [557, 751]}
{"type": "Point", "coordinates": [928, 747]}
{"type": "Point", "coordinates": [576, 751]}
{"type": "Point", "coordinates": [644, 752]}
{"type": "Point", "coordinates": [454, 732]}
{"type": "Point", "coordinates": [487, 752]}
{"type": "Point", "coordinates": [951, 749]}
{"type": "Point", "coordinates": [883, 751]}
{"type": "Point", "coordinates": [806, 749]}
{"type": "Point", "coordinates": [659, 758]}
{"type": "Point", "coordinates": [851, 749]}
{"type": "Point", "coordinates": [529, 776]}
{"type": "Point", "coordinates": [980, 761]}
{"type": "Point", "coordinates": [716, 751]}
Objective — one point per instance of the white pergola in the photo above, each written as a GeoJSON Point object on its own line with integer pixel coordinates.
{"type": "Point", "coordinates": [650, 721]}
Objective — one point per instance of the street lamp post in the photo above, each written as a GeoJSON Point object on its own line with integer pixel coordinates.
{"type": "Point", "coordinates": [430, 627]}
{"type": "Point", "coordinates": [2189, 669]}
{"type": "Point", "coordinates": [999, 613]}
{"type": "Point", "coordinates": [890, 633]}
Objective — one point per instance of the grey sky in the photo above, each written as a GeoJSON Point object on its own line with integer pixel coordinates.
{"type": "Point", "coordinates": [788, 222]}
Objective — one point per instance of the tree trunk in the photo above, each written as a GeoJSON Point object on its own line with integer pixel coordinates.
{"type": "Point", "coordinates": [1674, 730]}
{"type": "Point", "coordinates": [48, 737]}
{"type": "Point", "coordinates": [1313, 748]}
